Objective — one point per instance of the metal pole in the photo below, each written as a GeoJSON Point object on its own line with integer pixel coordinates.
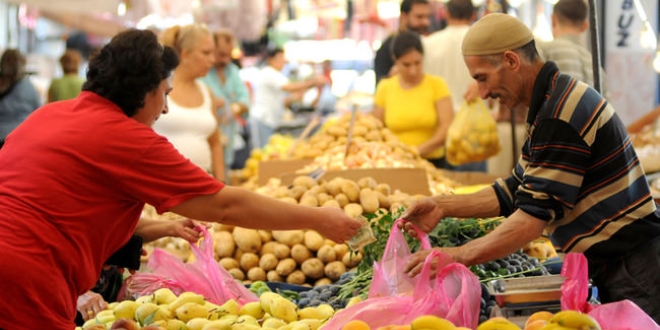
{"type": "Point", "coordinates": [595, 45]}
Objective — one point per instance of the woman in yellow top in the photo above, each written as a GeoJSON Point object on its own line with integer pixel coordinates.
{"type": "Point", "coordinates": [415, 106]}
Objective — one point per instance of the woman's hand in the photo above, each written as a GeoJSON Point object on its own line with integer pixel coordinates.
{"type": "Point", "coordinates": [186, 229]}
{"type": "Point", "coordinates": [337, 226]}
{"type": "Point", "coordinates": [89, 304]}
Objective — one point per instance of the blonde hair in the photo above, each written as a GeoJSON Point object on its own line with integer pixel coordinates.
{"type": "Point", "coordinates": [184, 37]}
{"type": "Point", "coordinates": [224, 35]}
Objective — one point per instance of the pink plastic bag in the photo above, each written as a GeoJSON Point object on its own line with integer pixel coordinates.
{"type": "Point", "coordinates": [620, 315]}
{"type": "Point", "coordinates": [203, 276]}
{"type": "Point", "coordinates": [388, 278]}
{"type": "Point", "coordinates": [143, 284]}
{"type": "Point", "coordinates": [396, 298]}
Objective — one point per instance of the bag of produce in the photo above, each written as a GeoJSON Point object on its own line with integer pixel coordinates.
{"type": "Point", "coordinates": [472, 135]}
{"type": "Point", "coordinates": [623, 314]}
{"type": "Point", "coordinates": [454, 294]}
{"type": "Point", "coordinates": [203, 276]}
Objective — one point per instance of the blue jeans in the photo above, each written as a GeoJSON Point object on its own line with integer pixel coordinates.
{"type": "Point", "coordinates": [259, 133]}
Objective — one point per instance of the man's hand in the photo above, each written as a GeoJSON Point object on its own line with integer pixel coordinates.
{"type": "Point", "coordinates": [425, 214]}
{"type": "Point", "coordinates": [416, 262]}
{"type": "Point", "coordinates": [89, 304]}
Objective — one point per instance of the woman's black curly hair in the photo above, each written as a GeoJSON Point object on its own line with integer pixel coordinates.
{"type": "Point", "coordinates": [133, 64]}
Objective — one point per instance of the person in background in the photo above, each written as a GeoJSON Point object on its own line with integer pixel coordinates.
{"type": "Point", "coordinates": [569, 22]}
{"type": "Point", "coordinates": [76, 198]}
{"type": "Point", "coordinates": [192, 123]}
{"type": "Point", "coordinates": [18, 97]}
{"type": "Point", "coordinates": [415, 106]}
{"type": "Point", "coordinates": [273, 92]}
{"type": "Point", "coordinates": [325, 101]}
{"type": "Point", "coordinates": [106, 289]}
{"type": "Point", "coordinates": [578, 179]}
{"type": "Point", "coordinates": [414, 16]}
{"type": "Point", "coordinates": [443, 58]}
{"type": "Point", "coordinates": [70, 84]}
{"type": "Point", "coordinates": [231, 93]}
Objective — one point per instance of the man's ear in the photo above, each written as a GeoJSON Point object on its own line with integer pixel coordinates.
{"type": "Point", "coordinates": [511, 60]}
{"type": "Point", "coordinates": [584, 26]}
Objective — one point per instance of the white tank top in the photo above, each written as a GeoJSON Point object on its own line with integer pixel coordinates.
{"type": "Point", "coordinates": [188, 129]}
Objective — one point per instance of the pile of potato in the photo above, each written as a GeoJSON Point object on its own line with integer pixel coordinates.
{"type": "Point", "coordinates": [277, 148]}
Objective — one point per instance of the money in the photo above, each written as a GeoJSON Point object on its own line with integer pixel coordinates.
{"type": "Point", "coordinates": [364, 235]}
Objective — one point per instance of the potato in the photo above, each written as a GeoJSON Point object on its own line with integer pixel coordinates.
{"type": "Point", "coordinates": [297, 192]}
{"type": "Point", "coordinates": [332, 187]}
{"type": "Point", "coordinates": [383, 188]}
{"type": "Point", "coordinates": [313, 268]}
{"type": "Point", "coordinates": [222, 227]}
{"type": "Point", "coordinates": [351, 190]}
{"type": "Point", "coordinates": [369, 200]}
{"type": "Point", "coordinates": [340, 250]}
{"type": "Point", "coordinates": [326, 254]}
{"type": "Point", "coordinates": [331, 203]}
{"type": "Point", "coordinates": [337, 131]}
{"type": "Point", "coordinates": [268, 261]}
{"type": "Point", "coordinates": [288, 237]}
{"type": "Point", "coordinates": [323, 197]}
{"type": "Point", "coordinates": [342, 199]}
{"type": "Point", "coordinates": [367, 182]}
{"type": "Point", "coordinates": [273, 276]}
{"type": "Point", "coordinates": [265, 235]}
{"type": "Point", "coordinates": [247, 240]}
{"type": "Point", "coordinates": [229, 263]}
{"type": "Point", "coordinates": [256, 274]}
{"type": "Point", "coordinates": [282, 251]}
{"type": "Point", "coordinates": [316, 190]}
{"type": "Point", "coordinates": [280, 192]}
{"type": "Point", "coordinates": [248, 261]}
{"type": "Point", "coordinates": [268, 247]}
{"type": "Point", "coordinates": [297, 277]}
{"type": "Point", "coordinates": [304, 181]}
{"type": "Point", "coordinates": [224, 244]}
{"type": "Point", "coordinates": [285, 266]}
{"type": "Point", "coordinates": [383, 201]}
{"type": "Point", "coordinates": [374, 136]}
{"type": "Point", "coordinates": [288, 199]}
{"type": "Point", "coordinates": [334, 270]}
{"type": "Point", "coordinates": [300, 253]}
{"type": "Point", "coordinates": [322, 281]}
{"type": "Point", "coordinates": [351, 259]}
{"type": "Point", "coordinates": [237, 273]}
{"type": "Point", "coordinates": [353, 210]}
{"type": "Point", "coordinates": [313, 240]}
{"type": "Point", "coordinates": [359, 130]}
{"type": "Point", "coordinates": [238, 254]}
{"type": "Point", "coordinates": [309, 200]}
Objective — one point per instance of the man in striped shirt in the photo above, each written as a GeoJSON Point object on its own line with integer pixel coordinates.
{"type": "Point", "coordinates": [578, 177]}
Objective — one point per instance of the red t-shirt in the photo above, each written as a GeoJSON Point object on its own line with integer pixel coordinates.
{"type": "Point", "coordinates": [73, 180]}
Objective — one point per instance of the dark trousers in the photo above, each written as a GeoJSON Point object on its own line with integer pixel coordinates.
{"type": "Point", "coordinates": [636, 278]}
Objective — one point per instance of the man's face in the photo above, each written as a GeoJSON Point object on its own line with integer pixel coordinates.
{"type": "Point", "coordinates": [223, 54]}
{"type": "Point", "coordinates": [495, 80]}
{"type": "Point", "coordinates": [418, 18]}
{"type": "Point", "coordinates": [155, 103]}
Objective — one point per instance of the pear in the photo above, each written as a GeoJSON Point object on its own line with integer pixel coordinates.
{"type": "Point", "coordinates": [126, 309]}
{"type": "Point", "coordinates": [218, 325]}
{"type": "Point", "coordinates": [253, 309]}
{"type": "Point", "coordinates": [266, 299]}
{"type": "Point", "coordinates": [191, 310]}
{"type": "Point", "coordinates": [145, 299]}
{"type": "Point", "coordinates": [230, 307]}
{"type": "Point", "coordinates": [186, 297]}
{"type": "Point", "coordinates": [284, 309]}
{"type": "Point", "coordinates": [144, 311]}
{"type": "Point", "coordinates": [164, 296]}
{"type": "Point", "coordinates": [197, 323]}
{"type": "Point", "coordinates": [243, 326]}
{"type": "Point", "coordinates": [272, 322]}
{"type": "Point", "coordinates": [247, 319]}
{"type": "Point", "coordinates": [174, 324]}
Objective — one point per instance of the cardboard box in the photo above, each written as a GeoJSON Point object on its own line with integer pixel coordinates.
{"type": "Point", "coordinates": [409, 180]}
{"type": "Point", "coordinates": [276, 168]}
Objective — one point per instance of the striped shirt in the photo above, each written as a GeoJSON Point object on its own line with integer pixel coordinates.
{"type": "Point", "coordinates": [579, 172]}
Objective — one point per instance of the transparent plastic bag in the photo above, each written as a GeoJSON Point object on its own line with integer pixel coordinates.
{"type": "Point", "coordinates": [472, 135]}
{"type": "Point", "coordinates": [620, 315]}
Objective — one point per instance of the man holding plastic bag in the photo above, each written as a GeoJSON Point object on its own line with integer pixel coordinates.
{"type": "Point", "coordinates": [578, 177]}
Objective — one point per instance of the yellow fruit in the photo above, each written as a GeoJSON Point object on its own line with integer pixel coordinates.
{"type": "Point", "coordinates": [266, 299]}
{"type": "Point", "coordinates": [105, 316]}
{"type": "Point", "coordinates": [145, 299]}
{"type": "Point", "coordinates": [174, 324]}
{"type": "Point", "coordinates": [498, 323]}
{"type": "Point", "coordinates": [538, 316]}
{"type": "Point", "coordinates": [218, 325]}
{"type": "Point", "coordinates": [431, 322]}
{"type": "Point", "coordinates": [353, 301]}
{"type": "Point", "coordinates": [191, 310]}
{"type": "Point", "coordinates": [247, 319]}
{"type": "Point", "coordinates": [535, 325]}
{"type": "Point", "coordinates": [164, 296]}
{"type": "Point", "coordinates": [253, 309]}
{"type": "Point", "coordinates": [574, 319]}
{"type": "Point", "coordinates": [284, 309]}
{"type": "Point", "coordinates": [356, 325]}
{"type": "Point", "coordinates": [243, 326]}
{"type": "Point", "coordinates": [272, 323]}
{"type": "Point", "coordinates": [186, 297]}
{"type": "Point", "coordinates": [126, 309]}
{"type": "Point", "coordinates": [145, 311]}
{"type": "Point", "coordinates": [197, 323]}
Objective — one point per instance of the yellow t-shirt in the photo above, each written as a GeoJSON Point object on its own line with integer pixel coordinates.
{"type": "Point", "coordinates": [410, 113]}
